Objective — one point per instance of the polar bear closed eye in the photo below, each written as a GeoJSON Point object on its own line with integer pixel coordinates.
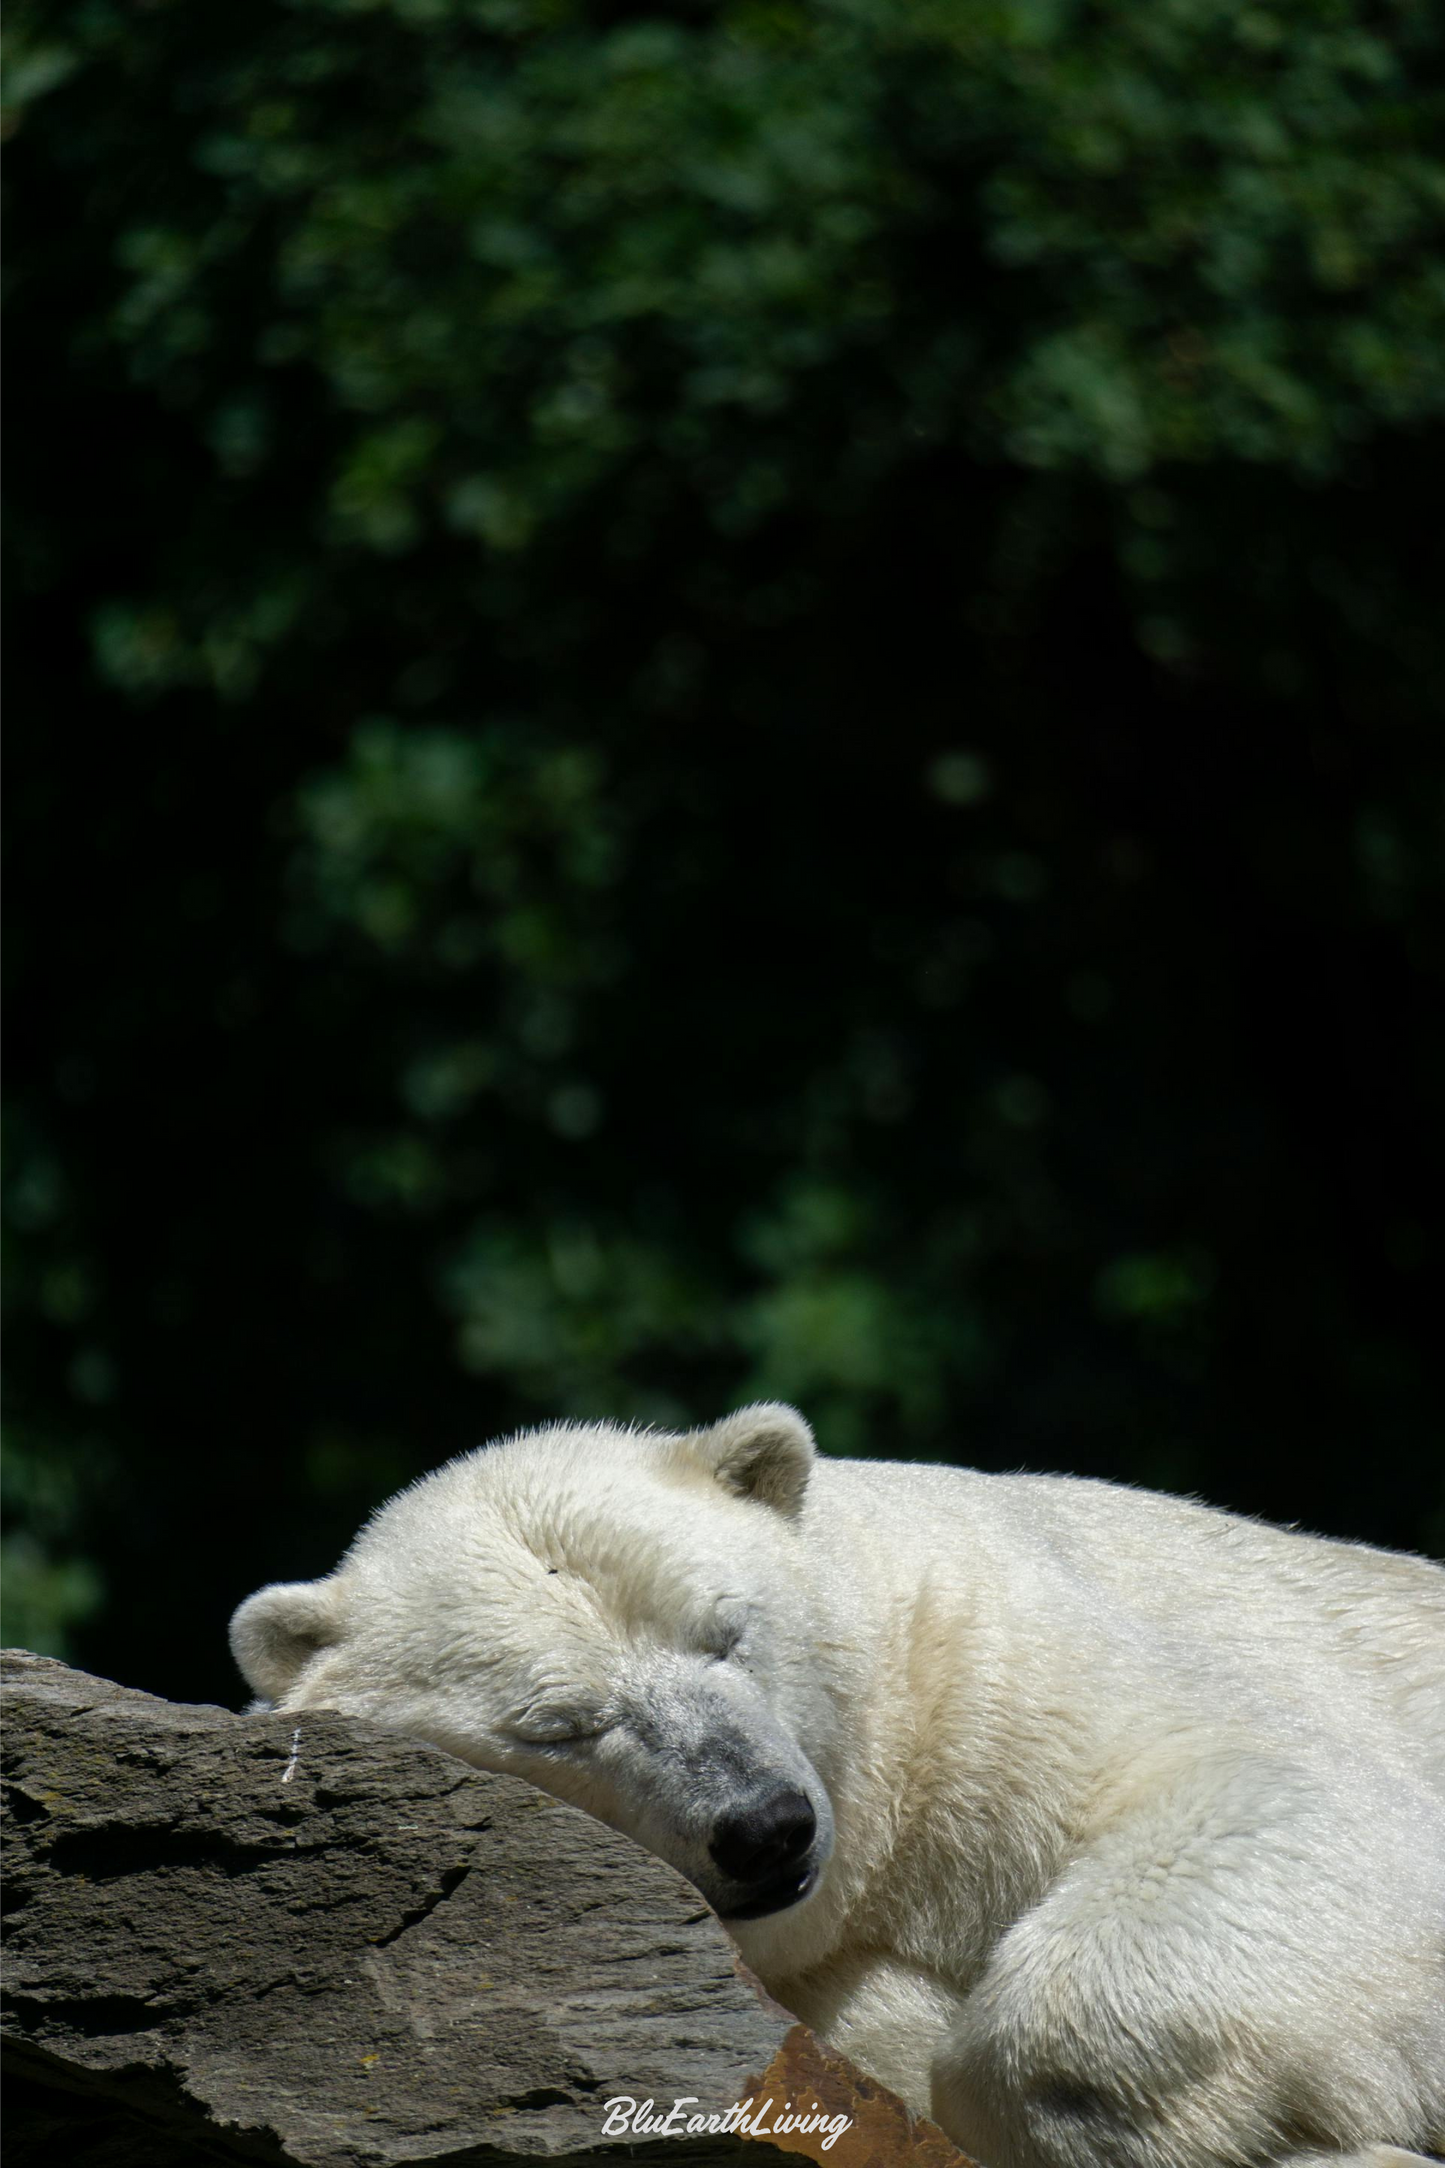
{"type": "Point", "coordinates": [1108, 1829]}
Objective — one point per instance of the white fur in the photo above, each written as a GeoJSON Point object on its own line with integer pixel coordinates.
{"type": "Point", "coordinates": [1131, 1815]}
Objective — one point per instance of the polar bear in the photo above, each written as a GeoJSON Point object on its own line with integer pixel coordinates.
{"type": "Point", "coordinates": [1108, 1829]}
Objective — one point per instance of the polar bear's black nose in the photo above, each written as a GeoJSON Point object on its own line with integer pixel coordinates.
{"type": "Point", "coordinates": [765, 1838]}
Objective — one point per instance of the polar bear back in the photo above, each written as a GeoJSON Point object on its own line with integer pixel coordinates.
{"type": "Point", "coordinates": [1336, 1641]}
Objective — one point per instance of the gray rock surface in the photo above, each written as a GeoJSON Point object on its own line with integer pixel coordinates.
{"type": "Point", "coordinates": [232, 1940]}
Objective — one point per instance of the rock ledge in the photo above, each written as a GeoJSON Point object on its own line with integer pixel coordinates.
{"type": "Point", "coordinates": [233, 1941]}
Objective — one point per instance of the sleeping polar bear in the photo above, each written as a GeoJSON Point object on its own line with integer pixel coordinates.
{"type": "Point", "coordinates": [1107, 1829]}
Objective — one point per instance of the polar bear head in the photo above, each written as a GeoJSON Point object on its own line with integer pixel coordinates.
{"type": "Point", "coordinates": [622, 1617]}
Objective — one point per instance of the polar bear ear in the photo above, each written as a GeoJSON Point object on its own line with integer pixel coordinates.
{"type": "Point", "coordinates": [276, 1632]}
{"type": "Point", "coordinates": [764, 1452]}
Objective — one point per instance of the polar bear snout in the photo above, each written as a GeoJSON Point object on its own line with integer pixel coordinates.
{"type": "Point", "coordinates": [703, 1771]}
{"type": "Point", "coordinates": [766, 1836]}
{"type": "Point", "coordinates": [765, 1849]}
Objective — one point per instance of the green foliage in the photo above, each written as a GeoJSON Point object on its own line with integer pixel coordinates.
{"type": "Point", "coordinates": [44, 1592]}
{"type": "Point", "coordinates": [726, 700]}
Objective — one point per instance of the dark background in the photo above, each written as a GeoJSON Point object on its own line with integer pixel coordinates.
{"type": "Point", "coordinates": [714, 702]}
